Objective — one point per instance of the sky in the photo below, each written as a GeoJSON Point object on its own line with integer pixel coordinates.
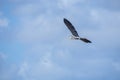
{"type": "Point", "coordinates": [35, 44]}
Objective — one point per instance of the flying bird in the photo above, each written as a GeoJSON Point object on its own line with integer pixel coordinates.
{"type": "Point", "coordinates": [75, 35]}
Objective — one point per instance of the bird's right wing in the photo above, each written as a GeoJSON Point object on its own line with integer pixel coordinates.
{"type": "Point", "coordinates": [85, 40]}
{"type": "Point", "coordinates": [71, 27]}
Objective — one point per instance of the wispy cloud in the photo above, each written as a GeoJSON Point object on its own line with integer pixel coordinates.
{"type": "Point", "coordinates": [116, 66]}
{"type": "Point", "coordinates": [42, 68]}
{"type": "Point", "coordinates": [1, 13]}
{"type": "Point", "coordinates": [4, 22]}
{"type": "Point", "coordinates": [2, 55]}
{"type": "Point", "coordinates": [63, 4]}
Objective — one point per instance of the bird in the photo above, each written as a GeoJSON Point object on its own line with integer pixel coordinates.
{"type": "Point", "coordinates": [75, 35]}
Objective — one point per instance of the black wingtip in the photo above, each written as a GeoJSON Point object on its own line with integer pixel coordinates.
{"type": "Point", "coordinates": [65, 19]}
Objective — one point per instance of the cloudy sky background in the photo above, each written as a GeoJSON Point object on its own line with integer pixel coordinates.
{"type": "Point", "coordinates": [35, 44]}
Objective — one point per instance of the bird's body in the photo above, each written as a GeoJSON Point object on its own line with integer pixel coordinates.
{"type": "Point", "coordinates": [75, 35]}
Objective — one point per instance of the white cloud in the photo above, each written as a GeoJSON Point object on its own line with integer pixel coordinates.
{"type": "Point", "coordinates": [63, 4]}
{"type": "Point", "coordinates": [105, 18]}
{"type": "Point", "coordinates": [23, 70]}
{"type": "Point", "coordinates": [37, 22]}
{"type": "Point", "coordinates": [1, 13]}
{"type": "Point", "coordinates": [2, 56]}
{"type": "Point", "coordinates": [4, 22]}
{"type": "Point", "coordinates": [92, 67]}
{"type": "Point", "coordinates": [116, 65]}
{"type": "Point", "coordinates": [27, 9]}
{"type": "Point", "coordinates": [39, 29]}
{"type": "Point", "coordinates": [8, 72]}
{"type": "Point", "coordinates": [44, 68]}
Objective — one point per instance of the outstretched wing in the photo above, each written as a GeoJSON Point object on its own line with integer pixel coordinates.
{"type": "Point", "coordinates": [71, 27]}
{"type": "Point", "coordinates": [85, 40]}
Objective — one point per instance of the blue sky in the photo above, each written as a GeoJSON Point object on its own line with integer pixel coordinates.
{"type": "Point", "coordinates": [35, 44]}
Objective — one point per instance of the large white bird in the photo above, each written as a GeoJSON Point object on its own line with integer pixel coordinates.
{"type": "Point", "coordinates": [75, 35]}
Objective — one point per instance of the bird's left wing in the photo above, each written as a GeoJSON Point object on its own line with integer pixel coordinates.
{"type": "Point", "coordinates": [71, 27]}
